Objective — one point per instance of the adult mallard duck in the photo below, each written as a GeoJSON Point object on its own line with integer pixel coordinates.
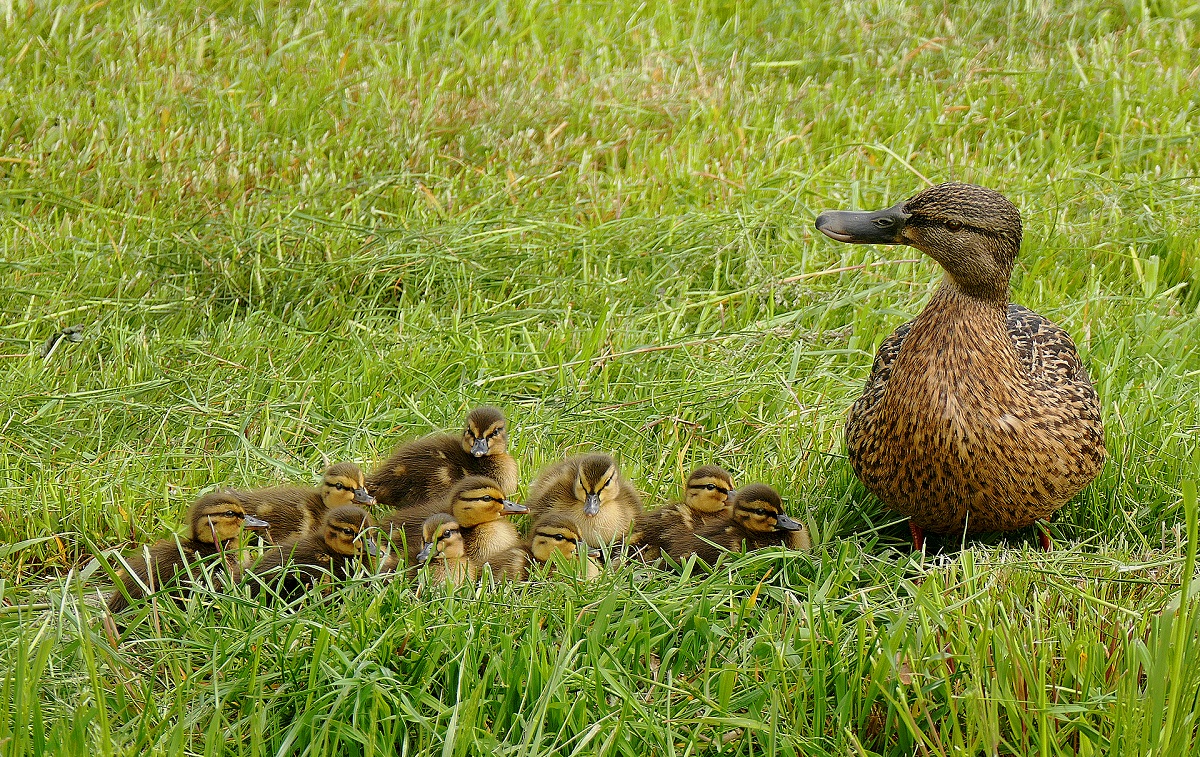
{"type": "Point", "coordinates": [978, 414]}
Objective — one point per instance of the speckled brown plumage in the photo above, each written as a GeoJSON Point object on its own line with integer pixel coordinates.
{"type": "Point", "coordinates": [978, 414]}
{"type": "Point", "coordinates": [669, 529]}
{"type": "Point", "coordinates": [423, 470]}
{"type": "Point", "coordinates": [566, 488]}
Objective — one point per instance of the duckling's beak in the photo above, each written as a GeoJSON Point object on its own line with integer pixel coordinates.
{"type": "Point", "coordinates": [372, 547]}
{"type": "Point", "coordinates": [423, 555]}
{"type": "Point", "coordinates": [591, 504]}
{"type": "Point", "coordinates": [785, 523]}
{"type": "Point", "coordinates": [479, 448]}
{"type": "Point", "coordinates": [861, 227]}
{"type": "Point", "coordinates": [513, 508]}
{"type": "Point", "coordinates": [729, 495]}
{"type": "Point", "coordinates": [251, 522]}
{"type": "Point", "coordinates": [362, 497]}
{"type": "Point", "coordinates": [594, 552]}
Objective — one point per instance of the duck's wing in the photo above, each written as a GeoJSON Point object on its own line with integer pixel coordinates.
{"type": "Point", "coordinates": [881, 372]}
{"type": "Point", "coordinates": [1046, 351]}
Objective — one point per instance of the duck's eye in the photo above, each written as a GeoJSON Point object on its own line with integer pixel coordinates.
{"type": "Point", "coordinates": [884, 223]}
{"type": "Point", "coordinates": [711, 487]}
{"type": "Point", "coordinates": [559, 537]}
{"type": "Point", "coordinates": [954, 225]}
{"type": "Point", "coordinates": [232, 514]}
{"type": "Point", "coordinates": [349, 532]}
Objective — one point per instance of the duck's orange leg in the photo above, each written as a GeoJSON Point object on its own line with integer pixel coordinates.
{"type": "Point", "coordinates": [1043, 528]}
{"type": "Point", "coordinates": [918, 535]}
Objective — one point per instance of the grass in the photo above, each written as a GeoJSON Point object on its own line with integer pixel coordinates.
{"type": "Point", "coordinates": [299, 233]}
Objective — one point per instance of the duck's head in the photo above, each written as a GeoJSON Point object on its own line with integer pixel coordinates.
{"type": "Point", "coordinates": [345, 530]}
{"type": "Point", "coordinates": [972, 231]}
{"type": "Point", "coordinates": [442, 539]}
{"type": "Point", "coordinates": [342, 484]}
{"type": "Point", "coordinates": [557, 533]}
{"type": "Point", "coordinates": [486, 432]}
{"type": "Point", "coordinates": [759, 508]}
{"type": "Point", "coordinates": [478, 499]}
{"type": "Point", "coordinates": [596, 482]}
{"type": "Point", "coordinates": [709, 489]}
{"type": "Point", "coordinates": [218, 517]}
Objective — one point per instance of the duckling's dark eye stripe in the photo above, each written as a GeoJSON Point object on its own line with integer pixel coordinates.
{"type": "Point", "coordinates": [483, 498]}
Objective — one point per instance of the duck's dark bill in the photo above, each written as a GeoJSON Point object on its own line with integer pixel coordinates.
{"type": "Point", "coordinates": [864, 227]}
{"type": "Point", "coordinates": [784, 523]}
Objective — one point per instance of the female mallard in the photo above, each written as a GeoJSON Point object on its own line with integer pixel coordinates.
{"type": "Point", "coordinates": [978, 414]}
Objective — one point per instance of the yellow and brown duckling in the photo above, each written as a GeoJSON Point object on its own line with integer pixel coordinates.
{"type": "Point", "coordinates": [590, 490]}
{"type": "Point", "coordinates": [422, 470]}
{"type": "Point", "coordinates": [296, 511]}
{"type": "Point", "coordinates": [336, 550]}
{"type": "Point", "coordinates": [478, 505]}
{"type": "Point", "coordinates": [708, 497]}
{"type": "Point", "coordinates": [215, 523]}
{"type": "Point", "coordinates": [554, 538]}
{"type": "Point", "coordinates": [757, 521]}
{"type": "Point", "coordinates": [444, 553]}
{"type": "Point", "coordinates": [978, 414]}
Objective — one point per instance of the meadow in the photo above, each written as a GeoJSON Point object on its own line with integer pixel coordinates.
{"type": "Point", "coordinates": [298, 233]}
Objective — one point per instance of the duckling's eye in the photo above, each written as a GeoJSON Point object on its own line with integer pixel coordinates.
{"type": "Point", "coordinates": [711, 487]}
{"type": "Point", "coordinates": [232, 514]}
{"type": "Point", "coordinates": [760, 511]}
{"type": "Point", "coordinates": [559, 537]}
{"type": "Point", "coordinates": [954, 225]}
{"type": "Point", "coordinates": [349, 532]}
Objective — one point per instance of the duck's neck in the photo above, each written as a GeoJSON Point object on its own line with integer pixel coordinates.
{"type": "Point", "coordinates": [961, 338]}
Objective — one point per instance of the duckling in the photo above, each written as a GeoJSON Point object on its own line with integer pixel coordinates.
{"type": "Point", "coordinates": [978, 415]}
{"type": "Point", "coordinates": [444, 551]}
{"type": "Point", "coordinates": [554, 537]}
{"type": "Point", "coordinates": [296, 511]}
{"type": "Point", "coordinates": [336, 550]}
{"type": "Point", "coordinates": [591, 490]}
{"type": "Point", "coordinates": [707, 497]}
{"type": "Point", "coordinates": [757, 521]}
{"type": "Point", "coordinates": [478, 505]}
{"type": "Point", "coordinates": [421, 470]}
{"type": "Point", "coordinates": [215, 523]}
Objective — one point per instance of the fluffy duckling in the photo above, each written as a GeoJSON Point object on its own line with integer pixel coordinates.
{"type": "Point", "coordinates": [444, 553]}
{"type": "Point", "coordinates": [335, 550]}
{"type": "Point", "coordinates": [478, 505]}
{"type": "Point", "coordinates": [978, 414]}
{"type": "Point", "coordinates": [296, 511]}
{"type": "Point", "coordinates": [421, 470]}
{"type": "Point", "coordinates": [757, 521]}
{"type": "Point", "coordinates": [590, 490]}
{"type": "Point", "coordinates": [553, 538]}
{"type": "Point", "coordinates": [215, 523]}
{"type": "Point", "coordinates": [707, 500]}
